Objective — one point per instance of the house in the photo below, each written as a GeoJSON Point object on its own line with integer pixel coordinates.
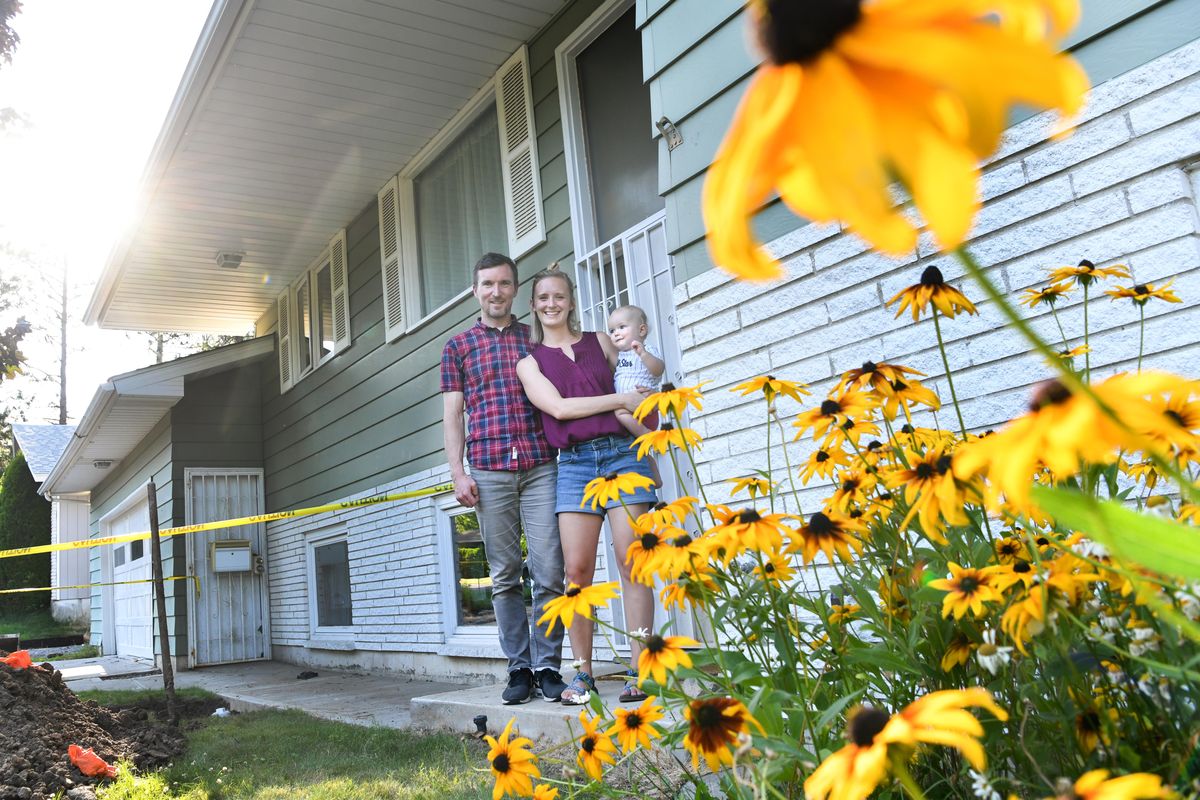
{"type": "Point", "coordinates": [42, 446]}
{"type": "Point", "coordinates": [328, 173]}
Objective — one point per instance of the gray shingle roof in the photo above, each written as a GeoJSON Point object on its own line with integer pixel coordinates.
{"type": "Point", "coordinates": [42, 445]}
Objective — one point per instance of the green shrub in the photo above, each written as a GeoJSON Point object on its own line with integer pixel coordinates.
{"type": "Point", "coordinates": [24, 522]}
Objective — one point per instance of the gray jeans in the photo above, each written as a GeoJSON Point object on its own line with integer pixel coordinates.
{"type": "Point", "coordinates": [508, 503]}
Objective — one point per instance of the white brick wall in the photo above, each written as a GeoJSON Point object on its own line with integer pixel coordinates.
{"type": "Point", "coordinates": [1122, 188]}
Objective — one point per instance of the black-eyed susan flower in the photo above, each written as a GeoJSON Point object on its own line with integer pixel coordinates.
{"type": "Point", "coordinates": [835, 411]}
{"type": "Point", "coordinates": [771, 387]}
{"type": "Point", "coordinates": [853, 772]}
{"type": "Point", "coordinates": [671, 399]}
{"type": "Point", "coordinates": [576, 600]}
{"type": "Point", "coordinates": [595, 747]}
{"type": "Point", "coordinates": [690, 590]}
{"type": "Point", "coordinates": [841, 613]}
{"type": "Point", "coordinates": [545, 792]}
{"type": "Point", "coordinates": [1092, 726]}
{"type": "Point", "coordinates": [1142, 293]}
{"type": "Point", "coordinates": [753, 485]}
{"type": "Point", "coordinates": [831, 534]}
{"type": "Point", "coordinates": [905, 393]}
{"type": "Point", "coordinates": [634, 726]}
{"type": "Point", "coordinates": [1049, 295]}
{"type": "Point", "coordinates": [513, 765]}
{"type": "Point", "coordinates": [666, 437]}
{"type": "Point", "coordinates": [1096, 785]}
{"type": "Point", "coordinates": [747, 529]}
{"type": "Point", "coordinates": [714, 725]}
{"type": "Point", "coordinates": [877, 376]}
{"type": "Point", "coordinates": [958, 651]}
{"type": "Point", "coordinates": [644, 554]}
{"type": "Point", "coordinates": [932, 291]}
{"type": "Point", "coordinates": [1063, 430]}
{"type": "Point", "coordinates": [1189, 512]}
{"type": "Point", "coordinates": [857, 94]}
{"type": "Point", "coordinates": [1028, 616]}
{"type": "Point", "coordinates": [1074, 352]}
{"type": "Point", "coordinates": [1181, 414]}
{"type": "Point", "coordinates": [610, 487]}
{"type": "Point", "coordinates": [663, 654]}
{"type": "Point", "coordinates": [1085, 272]}
{"type": "Point", "coordinates": [822, 463]}
{"type": "Point", "coordinates": [679, 553]}
{"type": "Point", "coordinates": [854, 486]}
{"type": "Point", "coordinates": [663, 513]}
{"type": "Point", "coordinates": [776, 569]}
{"type": "Point", "coordinates": [967, 589]}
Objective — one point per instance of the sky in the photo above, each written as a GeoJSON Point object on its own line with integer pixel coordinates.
{"type": "Point", "coordinates": [93, 83]}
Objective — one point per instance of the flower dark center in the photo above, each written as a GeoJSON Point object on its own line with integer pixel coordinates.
{"type": "Point", "coordinates": [822, 456]}
{"type": "Point", "coordinates": [1048, 394]}
{"type": "Point", "coordinates": [1022, 567]}
{"type": "Point", "coordinates": [968, 584]}
{"type": "Point", "coordinates": [795, 32]}
{"type": "Point", "coordinates": [885, 495]}
{"type": "Point", "coordinates": [924, 471]}
{"type": "Point", "coordinates": [681, 541]}
{"type": "Point", "coordinates": [1042, 541]}
{"type": "Point", "coordinates": [708, 716]}
{"type": "Point", "coordinates": [1141, 288]}
{"type": "Point", "coordinates": [612, 476]}
{"type": "Point", "coordinates": [666, 426]}
{"type": "Point", "coordinates": [942, 465]}
{"type": "Point", "coordinates": [633, 720]}
{"type": "Point", "coordinates": [1089, 721]}
{"type": "Point", "coordinates": [770, 379]}
{"type": "Point", "coordinates": [820, 525]}
{"type": "Point", "coordinates": [830, 407]}
{"type": "Point", "coordinates": [908, 429]}
{"type": "Point", "coordinates": [848, 424]}
{"type": "Point", "coordinates": [667, 387]}
{"type": "Point", "coordinates": [768, 567]}
{"type": "Point", "coordinates": [932, 276]}
{"type": "Point", "coordinates": [1089, 266]}
{"type": "Point", "coordinates": [573, 590]}
{"type": "Point", "coordinates": [746, 516]}
{"type": "Point", "coordinates": [1175, 417]}
{"type": "Point", "coordinates": [874, 445]}
{"type": "Point", "coordinates": [856, 513]}
{"type": "Point", "coordinates": [654, 643]}
{"type": "Point", "coordinates": [649, 541]}
{"type": "Point", "coordinates": [865, 725]}
{"type": "Point", "coordinates": [588, 744]}
{"type": "Point", "coordinates": [659, 506]}
{"type": "Point", "coordinates": [500, 763]}
{"type": "Point", "coordinates": [899, 386]}
{"type": "Point", "coordinates": [868, 367]}
{"type": "Point", "coordinates": [849, 485]}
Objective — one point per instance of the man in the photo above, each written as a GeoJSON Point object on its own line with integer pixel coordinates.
{"type": "Point", "coordinates": [512, 482]}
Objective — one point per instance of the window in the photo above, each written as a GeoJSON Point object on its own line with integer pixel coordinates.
{"type": "Point", "coordinates": [314, 315]}
{"type": "Point", "coordinates": [330, 604]}
{"type": "Point", "coordinates": [472, 189]}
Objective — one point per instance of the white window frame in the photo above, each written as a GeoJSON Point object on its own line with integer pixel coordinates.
{"type": "Point", "coordinates": [313, 540]}
{"type": "Point", "coordinates": [477, 641]}
{"type": "Point", "coordinates": [400, 254]}
{"type": "Point", "coordinates": [290, 315]}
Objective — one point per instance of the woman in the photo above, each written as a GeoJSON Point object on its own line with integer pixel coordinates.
{"type": "Point", "coordinates": [567, 363]}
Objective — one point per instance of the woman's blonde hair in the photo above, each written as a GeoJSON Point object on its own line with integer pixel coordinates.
{"type": "Point", "coordinates": [536, 333]}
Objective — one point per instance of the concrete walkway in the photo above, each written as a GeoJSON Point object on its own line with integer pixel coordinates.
{"type": "Point", "coordinates": [360, 698]}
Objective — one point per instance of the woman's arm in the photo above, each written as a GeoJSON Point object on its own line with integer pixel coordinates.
{"type": "Point", "coordinates": [543, 394]}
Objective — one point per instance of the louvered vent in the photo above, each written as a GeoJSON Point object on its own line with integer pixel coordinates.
{"type": "Point", "coordinates": [387, 222]}
{"type": "Point", "coordinates": [516, 115]}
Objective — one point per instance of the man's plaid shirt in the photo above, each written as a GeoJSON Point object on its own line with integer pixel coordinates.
{"type": "Point", "coordinates": [504, 431]}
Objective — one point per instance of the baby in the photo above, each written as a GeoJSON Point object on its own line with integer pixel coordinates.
{"type": "Point", "coordinates": [638, 366]}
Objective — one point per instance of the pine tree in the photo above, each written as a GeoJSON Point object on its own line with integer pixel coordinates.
{"type": "Point", "coordinates": [24, 522]}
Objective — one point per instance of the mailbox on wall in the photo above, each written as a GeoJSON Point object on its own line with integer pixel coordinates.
{"type": "Point", "coordinates": [231, 555]}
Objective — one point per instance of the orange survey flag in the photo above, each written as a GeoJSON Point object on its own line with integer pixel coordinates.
{"type": "Point", "coordinates": [18, 660]}
{"type": "Point", "coordinates": [89, 763]}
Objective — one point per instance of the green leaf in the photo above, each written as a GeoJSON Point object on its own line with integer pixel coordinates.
{"type": "Point", "coordinates": [879, 657]}
{"type": "Point", "coordinates": [836, 707]}
{"type": "Point", "coordinates": [1167, 547]}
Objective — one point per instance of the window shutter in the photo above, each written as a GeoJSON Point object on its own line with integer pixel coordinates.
{"type": "Point", "coordinates": [341, 292]}
{"type": "Point", "coordinates": [283, 339]}
{"type": "Point", "coordinates": [518, 156]}
{"type": "Point", "coordinates": [394, 316]}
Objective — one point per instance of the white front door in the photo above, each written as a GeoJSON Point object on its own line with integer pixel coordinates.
{"type": "Point", "coordinates": [132, 604]}
{"type": "Point", "coordinates": [228, 618]}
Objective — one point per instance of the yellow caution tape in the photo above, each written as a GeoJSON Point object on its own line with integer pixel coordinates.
{"type": "Point", "coordinates": [110, 583]}
{"type": "Point", "coordinates": [226, 523]}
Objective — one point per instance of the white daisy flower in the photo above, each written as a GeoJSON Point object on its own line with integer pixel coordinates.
{"type": "Point", "coordinates": [992, 657]}
{"type": "Point", "coordinates": [982, 787]}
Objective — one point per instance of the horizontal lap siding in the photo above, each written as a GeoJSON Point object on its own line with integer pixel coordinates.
{"type": "Point", "coordinates": [698, 65]}
{"type": "Point", "coordinates": [1120, 189]}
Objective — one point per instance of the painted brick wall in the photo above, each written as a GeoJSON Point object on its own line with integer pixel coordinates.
{"type": "Point", "coordinates": [1121, 189]}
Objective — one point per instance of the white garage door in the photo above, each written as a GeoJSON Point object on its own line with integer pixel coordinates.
{"type": "Point", "coordinates": [133, 604]}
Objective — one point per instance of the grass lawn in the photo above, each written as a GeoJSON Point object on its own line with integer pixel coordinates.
{"type": "Point", "coordinates": [272, 755]}
{"type": "Point", "coordinates": [36, 625]}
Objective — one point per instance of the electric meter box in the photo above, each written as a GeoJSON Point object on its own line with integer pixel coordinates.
{"type": "Point", "coordinates": [232, 555]}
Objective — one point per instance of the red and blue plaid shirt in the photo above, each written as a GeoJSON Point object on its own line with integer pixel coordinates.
{"type": "Point", "coordinates": [504, 431]}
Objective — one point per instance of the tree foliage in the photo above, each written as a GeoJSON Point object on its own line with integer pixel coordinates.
{"type": "Point", "coordinates": [8, 37]}
{"type": "Point", "coordinates": [24, 522]}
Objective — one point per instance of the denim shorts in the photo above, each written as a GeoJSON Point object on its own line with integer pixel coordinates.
{"type": "Point", "coordinates": [586, 461]}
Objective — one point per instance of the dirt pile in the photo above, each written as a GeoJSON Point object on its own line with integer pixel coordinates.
{"type": "Point", "coordinates": [40, 717]}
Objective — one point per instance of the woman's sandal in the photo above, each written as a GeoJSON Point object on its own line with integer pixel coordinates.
{"type": "Point", "coordinates": [631, 693]}
{"type": "Point", "coordinates": [579, 690]}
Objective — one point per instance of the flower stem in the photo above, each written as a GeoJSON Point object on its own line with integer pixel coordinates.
{"type": "Point", "coordinates": [1141, 334]}
{"type": "Point", "coordinates": [962, 428]}
{"type": "Point", "coordinates": [905, 777]}
{"type": "Point", "coordinates": [1087, 354]}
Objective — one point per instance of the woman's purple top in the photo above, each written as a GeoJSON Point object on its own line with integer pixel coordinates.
{"type": "Point", "coordinates": [587, 376]}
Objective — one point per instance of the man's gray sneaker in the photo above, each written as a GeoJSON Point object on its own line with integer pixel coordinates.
{"type": "Point", "coordinates": [520, 687]}
{"type": "Point", "coordinates": [551, 684]}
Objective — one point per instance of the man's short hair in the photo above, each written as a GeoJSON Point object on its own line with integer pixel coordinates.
{"type": "Point", "coordinates": [489, 260]}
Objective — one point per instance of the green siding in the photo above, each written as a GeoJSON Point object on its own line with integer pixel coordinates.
{"type": "Point", "coordinates": [695, 57]}
{"type": "Point", "coordinates": [373, 413]}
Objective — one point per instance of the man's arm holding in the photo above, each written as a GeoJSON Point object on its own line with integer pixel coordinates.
{"type": "Point", "coordinates": [454, 434]}
{"type": "Point", "coordinates": [543, 394]}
